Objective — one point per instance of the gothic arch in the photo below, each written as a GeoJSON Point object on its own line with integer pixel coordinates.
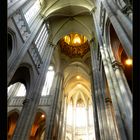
{"type": "Point", "coordinates": [65, 9]}
{"type": "Point", "coordinates": [24, 74]}
{"type": "Point", "coordinates": [112, 40]}
{"type": "Point", "coordinates": [117, 51]}
{"type": "Point", "coordinates": [69, 16]}
{"type": "Point", "coordinates": [39, 125]}
{"type": "Point", "coordinates": [11, 50]}
{"type": "Point", "coordinates": [13, 111]}
{"type": "Point", "coordinates": [42, 111]}
{"type": "Point", "coordinates": [12, 120]}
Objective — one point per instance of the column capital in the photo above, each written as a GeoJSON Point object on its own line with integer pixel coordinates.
{"type": "Point", "coordinates": [117, 65]}
{"type": "Point", "coordinates": [93, 10]}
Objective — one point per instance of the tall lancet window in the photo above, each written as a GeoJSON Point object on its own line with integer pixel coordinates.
{"type": "Point", "coordinates": [90, 114]}
{"type": "Point", "coordinates": [69, 114]}
{"type": "Point", "coordinates": [32, 11]}
{"type": "Point", "coordinates": [18, 89]}
{"type": "Point", "coordinates": [41, 39]}
{"type": "Point", "coordinates": [81, 114]}
{"type": "Point", "coordinates": [48, 81]}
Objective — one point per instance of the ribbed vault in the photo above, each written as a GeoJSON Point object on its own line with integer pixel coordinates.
{"type": "Point", "coordinates": [65, 17]}
{"type": "Point", "coordinates": [77, 83]}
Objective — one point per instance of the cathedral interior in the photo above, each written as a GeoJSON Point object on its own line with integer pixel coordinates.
{"type": "Point", "coordinates": [69, 70]}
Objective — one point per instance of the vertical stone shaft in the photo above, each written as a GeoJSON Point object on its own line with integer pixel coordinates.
{"type": "Point", "coordinates": [60, 129]}
{"type": "Point", "coordinates": [124, 21]}
{"type": "Point", "coordinates": [108, 107]}
{"type": "Point", "coordinates": [101, 100]}
{"type": "Point", "coordinates": [95, 110]}
{"type": "Point", "coordinates": [63, 119]}
{"type": "Point", "coordinates": [120, 109]}
{"type": "Point", "coordinates": [121, 94]}
{"type": "Point", "coordinates": [25, 121]}
{"type": "Point", "coordinates": [96, 92]}
{"type": "Point", "coordinates": [55, 91]}
{"type": "Point", "coordinates": [127, 44]}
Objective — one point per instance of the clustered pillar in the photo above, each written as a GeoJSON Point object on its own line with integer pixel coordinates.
{"type": "Point", "coordinates": [55, 91]}
{"type": "Point", "coordinates": [121, 24]}
{"type": "Point", "coordinates": [30, 104]}
{"type": "Point", "coordinates": [102, 113]}
{"type": "Point", "coordinates": [122, 110]}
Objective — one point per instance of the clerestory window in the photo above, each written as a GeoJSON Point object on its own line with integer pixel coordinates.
{"type": "Point", "coordinates": [32, 12]}
{"type": "Point", "coordinates": [18, 89]}
{"type": "Point", "coordinates": [41, 39]}
{"type": "Point", "coordinates": [48, 81]}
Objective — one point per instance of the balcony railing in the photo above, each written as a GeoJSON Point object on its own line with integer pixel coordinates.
{"type": "Point", "coordinates": [21, 25]}
{"type": "Point", "coordinates": [18, 101]}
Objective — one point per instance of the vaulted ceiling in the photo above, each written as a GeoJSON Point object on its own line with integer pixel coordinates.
{"type": "Point", "coordinates": [77, 83]}
{"type": "Point", "coordinates": [66, 17]}
{"type": "Point", "coordinates": [74, 45]}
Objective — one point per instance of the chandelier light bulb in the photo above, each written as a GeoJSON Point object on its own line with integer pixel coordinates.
{"type": "Point", "coordinates": [78, 77]}
{"type": "Point", "coordinates": [128, 61]}
{"type": "Point", "coordinates": [42, 116]}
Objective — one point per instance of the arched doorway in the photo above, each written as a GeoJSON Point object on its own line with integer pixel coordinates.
{"type": "Point", "coordinates": [38, 127]}
{"type": "Point", "coordinates": [12, 120]}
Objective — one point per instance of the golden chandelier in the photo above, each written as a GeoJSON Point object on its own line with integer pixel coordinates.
{"type": "Point", "coordinates": [75, 39]}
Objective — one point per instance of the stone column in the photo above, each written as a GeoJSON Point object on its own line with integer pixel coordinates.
{"type": "Point", "coordinates": [30, 104]}
{"type": "Point", "coordinates": [108, 107]}
{"type": "Point", "coordinates": [125, 108]}
{"type": "Point", "coordinates": [114, 90]}
{"type": "Point", "coordinates": [124, 39]}
{"type": "Point", "coordinates": [111, 120]}
{"type": "Point", "coordinates": [61, 120]}
{"type": "Point", "coordinates": [123, 19]}
{"type": "Point", "coordinates": [55, 91]}
{"type": "Point", "coordinates": [97, 100]}
{"type": "Point", "coordinates": [118, 69]}
{"type": "Point", "coordinates": [99, 94]}
{"type": "Point", "coordinates": [62, 115]}
{"type": "Point", "coordinates": [95, 110]}
{"type": "Point", "coordinates": [14, 63]}
{"type": "Point", "coordinates": [102, 100]}
{"type": "Point", "coordinates": [120, 109]}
